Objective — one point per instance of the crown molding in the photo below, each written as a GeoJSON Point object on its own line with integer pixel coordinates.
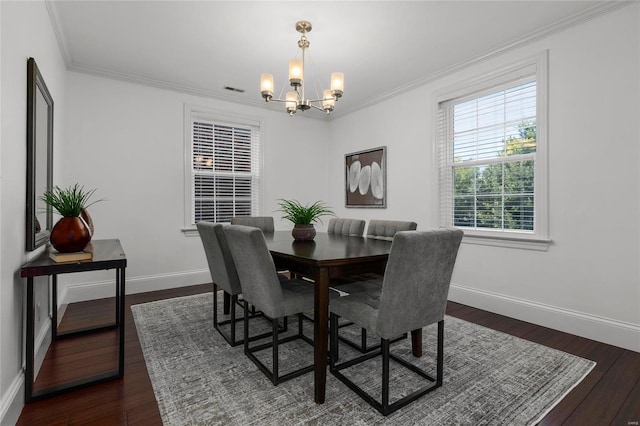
{"type": "Point", "coordinates": [604, 7]}
{"type": "Point", "coordinates": [147, 81]}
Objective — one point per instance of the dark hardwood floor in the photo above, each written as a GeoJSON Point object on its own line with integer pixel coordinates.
{"type": "Point", "coordinates": [609, 395]}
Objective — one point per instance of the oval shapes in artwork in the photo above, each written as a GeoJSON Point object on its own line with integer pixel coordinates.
{"type": "Point", "coordinates": [365, 179]}
{"type": "Point", "coordinates": [354, 175]}
{"type": "Point", "coordinates": [377, 189]}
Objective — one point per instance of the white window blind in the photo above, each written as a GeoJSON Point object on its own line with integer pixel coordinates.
{"type": "Point", "coordinates": [225, 170]}
{"type": "Point", "coordinates": [488, 147]}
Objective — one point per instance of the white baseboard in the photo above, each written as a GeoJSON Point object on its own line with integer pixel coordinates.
{"type": "Point", "coordinates": [613, 332]}
{"type": "Point", "coordinates": [12, 402]}
{"type": "Point", "coordinates": [102, 289]}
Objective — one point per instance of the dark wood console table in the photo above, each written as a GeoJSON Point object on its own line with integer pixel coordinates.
{"type": "Point", "coordinates": [107, 254]}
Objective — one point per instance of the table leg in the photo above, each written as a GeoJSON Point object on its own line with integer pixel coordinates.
{"type": "Point", "coordinates": [28, 374]}
{"type": "Point", "coordinates": [54, 307]}
{"type": "Point", "coordinates": [416, 342]}
{"type": "Point", "coordinates": [226, 302]}
{"type": "Point", "coordinates": [118, 304]}
{"type": "Point", "coordinates": [120, 278]}
{"type": "Point", "coordinates": [320, 327]}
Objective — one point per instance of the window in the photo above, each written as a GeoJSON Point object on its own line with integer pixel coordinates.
{"type": "Point", "coordinates": [223, 167]}
{"type": "Point", "coordinates": [492, 156]}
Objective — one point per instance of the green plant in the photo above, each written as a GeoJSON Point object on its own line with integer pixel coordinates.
{"type": "Point", "coordinates": [303, 215]}
{"type": "Point", "coordinates": [68, 202]}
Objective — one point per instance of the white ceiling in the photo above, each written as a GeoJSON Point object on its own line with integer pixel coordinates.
{"type": "Point", "coordinates": [382, 47]}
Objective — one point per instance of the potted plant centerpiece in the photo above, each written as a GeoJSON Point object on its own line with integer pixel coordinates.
{"type": "Point", "coordinates": [303, 217]}
{"type": "Point", "coordinates": [74, 230]}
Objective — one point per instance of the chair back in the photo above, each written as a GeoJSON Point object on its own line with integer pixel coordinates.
{"type": "Point", "coordinates": [341, 226]}
{"type": "Point", "coordinates": [256, 270]}
{"type": "Point", "coordinates": [386, 229]}
{"type": "Point", "coordinates": [265, 223]}
{"type": "Point", "coordinates": [416, 282]}
{"type": "Point", "coordinates": [221, 265]}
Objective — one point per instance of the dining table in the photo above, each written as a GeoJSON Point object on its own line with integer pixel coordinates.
{"type": "Point", "coordinates": [327, 258]}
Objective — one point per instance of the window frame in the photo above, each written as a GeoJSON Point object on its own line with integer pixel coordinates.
{"type": "Point", "coordinates": [536, 66]}
{"type": "Point", "coordinates": [192, 112]}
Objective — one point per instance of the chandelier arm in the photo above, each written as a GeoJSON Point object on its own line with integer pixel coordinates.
{"type": "Point", "coordinates": [325, 110]}
{"type": "Point", "coordinates": [307, 100]}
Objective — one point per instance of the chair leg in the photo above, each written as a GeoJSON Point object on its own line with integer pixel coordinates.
{"type": "Point", "coordinates": [231, 337]}
{"type": "Point", "coordinates": [226, 303]}
{"type": "Point", "coordinates": [383, 406]}
{"type": "Point", "coordinates": [232, 322]}
{"type": "Point", "coordinates": [246, 326]}
{"type": "Point", "coordinates": [333, 340]}
{"type": "Point", "coordinates": [363, 339]}
{"type": "Point", "coordinates": [233, 300]}
{"type": "Point", "coordinates": [215, 307]}
{"type": "Point", "coordinates": [440, 368]}
{"type": "Point", "coordinates": [276, 372]}
{"type": "Point", "coordinates": [385, 374]}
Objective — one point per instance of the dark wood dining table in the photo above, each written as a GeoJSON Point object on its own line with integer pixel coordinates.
{"type": "Point", "coordinates": [329, 257]}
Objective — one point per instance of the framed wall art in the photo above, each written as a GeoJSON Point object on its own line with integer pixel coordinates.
{"type": "Point", "coordinates": [366, 178]}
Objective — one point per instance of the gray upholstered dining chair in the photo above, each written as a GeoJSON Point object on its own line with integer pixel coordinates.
{"type": "Point", "coordinates": [224, 275]}
{"type": "Point", "coordinates": [342, 226]}
{"type": "Point", "coordinates": [386, 229]}
{"type": "Point", "coordinates": [265, 223]}
{"type": "Point", "coordinates": [275, 298]}
{"type": "Point", "coordinates": [414, 295]}
{"type": "Point", "coordinates": [383, 230]}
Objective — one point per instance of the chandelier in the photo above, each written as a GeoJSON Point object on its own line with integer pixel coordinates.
{"type": "Point", "coordinates": [296, 99]}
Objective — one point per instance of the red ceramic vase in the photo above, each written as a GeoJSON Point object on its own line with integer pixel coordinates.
{"type": "Point", "coordinates": [70, 234]}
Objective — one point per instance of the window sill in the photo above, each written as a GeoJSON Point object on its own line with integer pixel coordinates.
{"type": "Point", "coordinates": [518, 241]}
{"type": "Point", "coordinates": [190, 232]}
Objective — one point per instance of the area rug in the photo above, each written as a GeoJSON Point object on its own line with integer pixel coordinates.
{"type": "Point", "coordinates": [489, 377]}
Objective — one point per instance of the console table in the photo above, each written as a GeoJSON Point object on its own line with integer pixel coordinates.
{"type": "Point", "coordinates": [107, 254]}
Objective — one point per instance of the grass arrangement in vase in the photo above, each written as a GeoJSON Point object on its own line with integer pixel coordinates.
{"type": "Point", "coordinates": [73, 231]}
{"type": "Point", "coordinates": [303, 217]}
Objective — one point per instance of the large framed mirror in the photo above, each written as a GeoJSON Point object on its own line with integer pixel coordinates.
{"type": "Point", "coordinates": [39, 157]}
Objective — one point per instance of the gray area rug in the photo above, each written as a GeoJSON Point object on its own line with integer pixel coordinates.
{"type": "Point", "coordinates": [489, 377]}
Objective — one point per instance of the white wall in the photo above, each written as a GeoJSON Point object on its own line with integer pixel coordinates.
{"type": "Point", "coordinates": [127, 141]}
{"type": "Point", "coordinates": [588, 281]}
{"type": "Point", "coordinates": [26, 31]}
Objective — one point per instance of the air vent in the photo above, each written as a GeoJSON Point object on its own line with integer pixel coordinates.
{"type": "Point", "coordinates": [233, 89]}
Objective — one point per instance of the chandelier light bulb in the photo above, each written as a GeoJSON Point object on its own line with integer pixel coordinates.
{"type": "Point", "coordinates": [291, 102]}
{"type": "Point", "coordinates": [337, 84]}
{"type": "Point", "coordinates": [296, 72]}
{"type": "Point", "coordinates": [328, 101]}
{"type": "Point", "coordinates": [266, 86]}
